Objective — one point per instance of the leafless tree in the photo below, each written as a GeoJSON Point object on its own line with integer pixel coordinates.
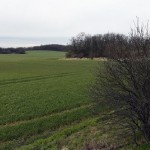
{"type": "Point", "coordinates": [124, 80]}
{"type": "Point", "coordinates": [85, 45]}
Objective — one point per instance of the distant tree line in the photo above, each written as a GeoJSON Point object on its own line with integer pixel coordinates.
{"type": "Point", "coordinates": [102, 45]}
{"type": "Point", "coordinates": [19, 50]}
{"type": "Point", "coordinates": [54, 47]}
{"type": "Point", "coordinates": [22, 50]}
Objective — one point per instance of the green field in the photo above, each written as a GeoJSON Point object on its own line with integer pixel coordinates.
{"type": "Point", "coordinates": [44, 104]}
{"type": "Point", "coordinates": [40, 93]}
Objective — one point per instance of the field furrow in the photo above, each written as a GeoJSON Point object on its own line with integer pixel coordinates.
{"type": "Point", "coordinates": [40, 125]}
{"type": "Point", "coordinates": [36, 78]}
{"type": "Point", "coordinates": [45, 116]}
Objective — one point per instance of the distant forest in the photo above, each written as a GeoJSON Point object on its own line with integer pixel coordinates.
{"type": "Point", "coordinates": [54, 47]}
{"type": "Point", "coordinates": [12, 50]}
{"type": "Point", "coordinates": [22, 50]}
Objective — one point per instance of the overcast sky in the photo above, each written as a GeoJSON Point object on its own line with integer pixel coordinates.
{"type": "Point", "coordinates": [67, 18]}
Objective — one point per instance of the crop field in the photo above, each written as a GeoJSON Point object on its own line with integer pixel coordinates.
{"type": "Point", "coordinates": [41, 93]}
{"type": "Point", "coordinates": [44, 104]}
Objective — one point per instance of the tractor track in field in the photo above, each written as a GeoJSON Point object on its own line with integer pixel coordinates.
{"type": "Point", "coordinates": [48, 133]}
{"type": "Point", "coordinates": [44, 116]}
{"type": "Point", "coordinates": [36, 78]}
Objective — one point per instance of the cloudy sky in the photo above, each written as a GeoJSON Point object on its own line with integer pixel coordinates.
{"type": "Point", "coordinates": [63, 19]}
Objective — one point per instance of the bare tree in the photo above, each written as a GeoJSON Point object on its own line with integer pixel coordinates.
{"type": "Point", "coordinates": [124, 80]}
{"type": "Point", "coordinates": [85, 45]}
